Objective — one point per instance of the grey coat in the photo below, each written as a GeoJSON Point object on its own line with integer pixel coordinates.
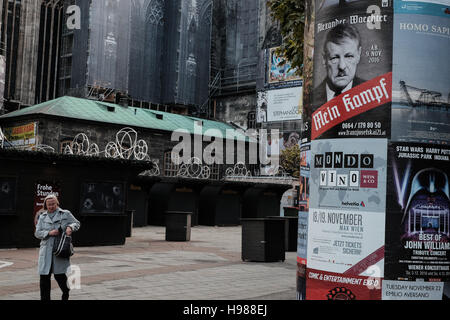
{"type": "Point", "coordinates": [63, 219]}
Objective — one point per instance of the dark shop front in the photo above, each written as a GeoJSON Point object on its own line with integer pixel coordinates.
{"type": "Point", "coordinates": [79, 154]}
{"type": "Point", "coordinates": [26, 177]}
{"type": "Point", "coordinates": [105, 194]}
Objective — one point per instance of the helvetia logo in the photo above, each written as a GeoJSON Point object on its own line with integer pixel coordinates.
{"type": "Point", "coordinates": [341, 293]}
{"type": "Point", "coordinates": [351, 204]}
{"type": "Point", "coordinates": [354, 204]}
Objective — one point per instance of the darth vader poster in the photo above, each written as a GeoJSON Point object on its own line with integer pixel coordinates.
{"type": "Point", "coordinates": [418, 217]}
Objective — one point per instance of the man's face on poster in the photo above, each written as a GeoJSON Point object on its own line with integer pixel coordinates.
{"type": "Point", "coordinates": [341, 60]}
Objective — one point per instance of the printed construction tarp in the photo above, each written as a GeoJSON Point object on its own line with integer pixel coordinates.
{"type": "Point", "coordinates": [155, 50]}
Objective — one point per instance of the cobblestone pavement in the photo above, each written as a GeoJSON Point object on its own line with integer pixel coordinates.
{"type": "Point", "coordinates": [209, 267]}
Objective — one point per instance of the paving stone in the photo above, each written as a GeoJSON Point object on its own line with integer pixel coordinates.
{"type": "Point", "coordinates": [148, 268]}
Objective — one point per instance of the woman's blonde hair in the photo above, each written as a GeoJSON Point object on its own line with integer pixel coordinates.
{"type": "Point", "coordinates": [50, 196]}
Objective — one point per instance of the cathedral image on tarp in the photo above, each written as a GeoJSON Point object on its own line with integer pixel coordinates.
{"type": "Point", "coordinates": [172, 55]}
{"type": "Point", "coordinates": [153, 50]}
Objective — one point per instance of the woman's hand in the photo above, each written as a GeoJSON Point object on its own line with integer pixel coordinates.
{"type": "Point", "coordinates": [54, 233]}
{"type": "Point", "coordinates": [69, 231]}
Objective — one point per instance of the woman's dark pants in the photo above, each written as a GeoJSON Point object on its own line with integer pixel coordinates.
{"type": "Point", "coordinates": [45, 285]}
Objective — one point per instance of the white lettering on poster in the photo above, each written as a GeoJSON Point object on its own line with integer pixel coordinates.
{"type": "Point", "coordinates": [411, 290]}
{"type": "Point", "coordinates": [284, 104]}
{"type": "Point", "coordinates": [45, 190]}
{"type": "Point", "coordinates": [339, 239]}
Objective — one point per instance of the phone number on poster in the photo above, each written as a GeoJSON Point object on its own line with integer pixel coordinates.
{"type": "Point", "coordinates": [361, 125]}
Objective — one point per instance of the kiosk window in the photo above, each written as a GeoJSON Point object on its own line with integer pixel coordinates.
{"type": "Point", "coordinates": [7, 195]}
{"type": "Point", "coordinates": [102, 197]}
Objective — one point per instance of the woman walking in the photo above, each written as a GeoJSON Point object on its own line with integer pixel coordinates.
{"type": "Point", "coordinates": [50, 221]}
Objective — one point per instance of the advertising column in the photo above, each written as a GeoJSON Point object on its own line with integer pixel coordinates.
{"type": "Point", "coordinates": [377, 111]}
{"type": "Point", "coordinates": [347, 115]}
{"type": "Point", "coordinates": [303, 204]}
{"type": "Point", "coordinates": [305, 152]}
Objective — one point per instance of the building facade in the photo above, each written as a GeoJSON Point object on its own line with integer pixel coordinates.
{"type": "Point", "coordinates": [234, 61]}
{"type": "Point", "coordinates": [20, 21]}
{"type": "Point", "coordinates": [94, 127]}
{"type": "Point", "coordinates": [198, 57]}
{"type": "Point", "coordinates": [153, 51]}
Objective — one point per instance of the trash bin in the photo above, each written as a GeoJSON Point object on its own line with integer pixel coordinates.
{"type": "Point", "coordinates": [178, 226]}
{"type": "Point", "coordinates": [129, 223]}
{"type": "Point", "coordinates": [290, 211]}
{"type": "Point", "coordinates": [263, 239]}
{"type": "Point", "coordinates": [291, 232]}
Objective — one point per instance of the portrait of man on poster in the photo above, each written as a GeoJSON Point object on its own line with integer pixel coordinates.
{"type": "Point", "coordinates": [341, 56]}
